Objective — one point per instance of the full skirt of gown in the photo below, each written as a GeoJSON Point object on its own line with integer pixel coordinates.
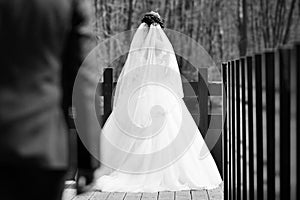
{"type": "Point", "coordinates": [175, 158]}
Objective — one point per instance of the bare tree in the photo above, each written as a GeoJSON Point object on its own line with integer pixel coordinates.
{"type": "Point", "coordinates": [289, 22]}
{"type": "Point", "coordinates": [242, 21]}
{"type": "Point", "coordinates": [129, 18]}
{"type": "Point", "coordinates": [225, 28]}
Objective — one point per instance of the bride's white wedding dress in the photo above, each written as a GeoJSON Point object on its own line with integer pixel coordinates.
{"type": "Point", "coordinates": [150, 141]}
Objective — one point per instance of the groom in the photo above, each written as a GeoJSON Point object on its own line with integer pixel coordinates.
{"type": "Point", "coordinates": [40, 47]}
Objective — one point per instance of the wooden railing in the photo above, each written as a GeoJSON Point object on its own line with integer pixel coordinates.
{"type": "Point", "coordinates": [261, 132]}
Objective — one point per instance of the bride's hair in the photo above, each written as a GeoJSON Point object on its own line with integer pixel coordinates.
{"type": "Point", "coordinates": [152, 18]}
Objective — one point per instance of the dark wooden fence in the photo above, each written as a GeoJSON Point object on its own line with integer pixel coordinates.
{"type": "Point", "coordinates": [261, 131]}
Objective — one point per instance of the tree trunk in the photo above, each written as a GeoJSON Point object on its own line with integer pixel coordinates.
{"type": "Point", "coordinates": [129, 18]}
{"type": "Point", "coordinates": [289, 22]}
{"type": "Point", "coordinates": [242, 27]}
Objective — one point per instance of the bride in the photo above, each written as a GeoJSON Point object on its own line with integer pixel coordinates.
{"type": "Point", "coordinates": [150, 141]}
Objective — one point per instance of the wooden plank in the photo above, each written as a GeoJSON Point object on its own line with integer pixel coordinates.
{"type": "Point", "coordinates": [237, 130]}
{"type": "Point", "coordinates": [116, 196]}
{"type": "Point", "coordinates": [133, 196]}
{"type": "Point", "coordinates": [213, 140]}
{"type": "Point", "coordinates": [99, 195]}
{"type": "Point", "coordinates": [192, 104]}
{"type": "Point", "coordinates": [166, 195]}
{"type": "Point", "coordinates": [191, 88]}
{"type": "Point", "coordinates": [295, 121]}
{"type": "Point", "coordinates": [68, 194]}
{"type": "Point", "coordinates": [203, 99]}
{"type": "Point", "coordinates": [199, 195]}
{"type": "Point", "coordinates": [196, 118]}
{"type": "Point", "coordinates": [215, 88]}
{"type": "Point", "coordinates": [72, 147]}
{"type": "Point", "coordinates": [228, 188]}
{"type": "Point", "coordinates": [84, 196]}
{"type": "Point", "coordinates": [257, 126]}
{"type": "Point", "coordinates": [215, 122]}
{"type": "Point", "coordinates": [268, 99]}
{"type": "Point", "coordinates": [278, 111]}
{"type": "Point", "coordinates": [183, 195]}
{"type": "Point", "coordinates": [283, 136]}
{"type": "Point", "coordinates": [298, 120]}
{"type": "Point", "coordinates": [107, 91]}
{"type": "Point", "coordinates": [243, 131]}
{"type": "Point", "coordinates": [215, 194]}
{"type": "Point", "coordinates": [215, 105]}
{"type": "Point", "coordinates": [225, 133]}
{"type": "Point", "coordinates": [232, 131]}
{"type": "Point", "coordinates": [149, 196]}
{"type": "Point", "coordinates": [70, 184]}
{"type": "Point", "coordinates": [249, 127]}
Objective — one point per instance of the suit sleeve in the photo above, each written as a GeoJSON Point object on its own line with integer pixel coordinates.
{"type": "Point", "coordinates": [73, 55]}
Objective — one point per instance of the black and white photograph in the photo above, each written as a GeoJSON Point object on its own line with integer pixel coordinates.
{"type": "Point", "coordinates": [149, 99]}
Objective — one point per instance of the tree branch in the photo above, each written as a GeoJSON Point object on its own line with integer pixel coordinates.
{"type": "Point", "coordinates": [289, 22]}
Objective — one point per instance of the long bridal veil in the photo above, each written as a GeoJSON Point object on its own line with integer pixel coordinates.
{"type": "Point", "coordinates": [150, 141]}
{"type": "Point", "coordinates": [151, 58]}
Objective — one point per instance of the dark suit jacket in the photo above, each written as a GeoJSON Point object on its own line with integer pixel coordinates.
{"type": "Point", "coordinates": [40, 48]}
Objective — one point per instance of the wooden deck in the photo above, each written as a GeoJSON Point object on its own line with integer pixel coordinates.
{"type": "Point", "coordinates": [215, 194]}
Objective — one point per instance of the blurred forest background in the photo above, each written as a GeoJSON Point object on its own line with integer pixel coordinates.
{"type": "Point", "coordinates": [225, 28]}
